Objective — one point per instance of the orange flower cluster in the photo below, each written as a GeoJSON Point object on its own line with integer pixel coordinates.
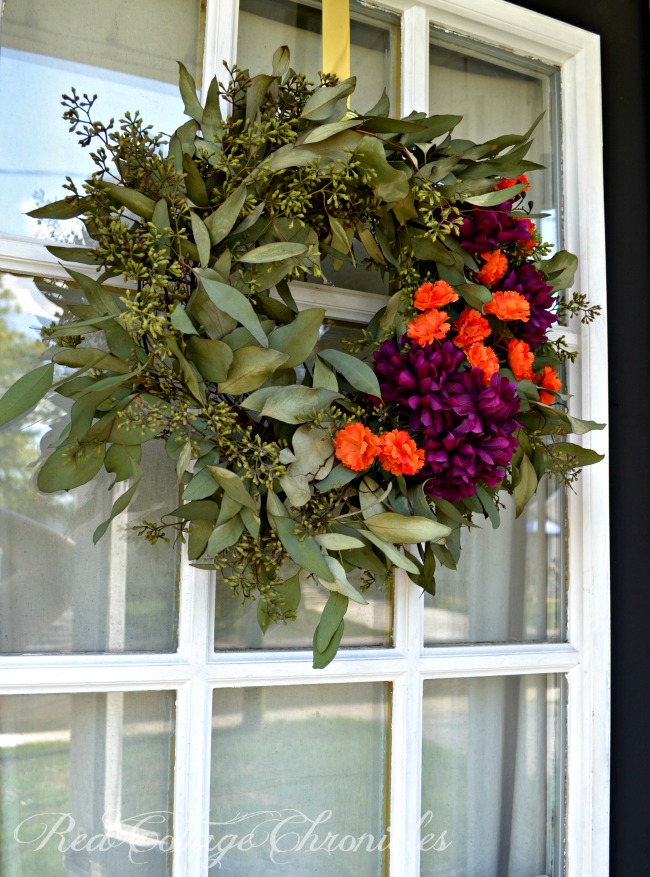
{"type": "Point", "coordinates": [480, 356]}
{"type": "Point", "coordinates": [357, 447]}
{"type": "Point", "coordinates": [471, 328]}
{"type": "Point", "coordinates": [428, 327]}
{"type": "Point", "coordinates": [434, 295]}
{"type": "Point", "coordinates": [548, 379]}
{"type": "Point", "coordinates": [505, 184]}
{"type": "Point", "coordinates": [520, 359]}
{"type": "Point", "coordinates": [495, 267]}
{"type": "Point", "coordinates": [509, 305]}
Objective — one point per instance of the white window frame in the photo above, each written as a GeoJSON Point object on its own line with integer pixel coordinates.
{"type": "Point", "coordinates": [194, 671]}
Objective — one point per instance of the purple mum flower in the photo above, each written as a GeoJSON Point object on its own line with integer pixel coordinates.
{"type": "Point", "coordinates": [532, 284]}
{"type": "Point", "coordinates": [465, 428]}
{"type": "Point", "coordinates": [484, 230]}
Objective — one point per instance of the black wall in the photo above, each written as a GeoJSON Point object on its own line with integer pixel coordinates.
{"type": "Point", "coordinates": [623, 28]}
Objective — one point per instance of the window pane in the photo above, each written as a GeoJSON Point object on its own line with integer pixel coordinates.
{"type": "Point", "coordinates": [266, 24]}
{"type": "Point", "coordinates": [97, 765]}
{"type": "Point", "coordinates": [498, 93]}
{"type": "Point", "coordinates": [491, 784]}
{"type": "Point", "coordinates": [509, 584]}
{"type": "Point", "coordinates": [58, 591]}
{"type": "Point", "coordinates": [124, 52]}
{"type": "Point", "coordinates": [236, 626]}
{"type": "Point", "coordinates": [301, 772]}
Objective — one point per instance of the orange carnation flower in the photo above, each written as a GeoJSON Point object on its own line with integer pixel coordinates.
{"type": "Point", "coordinates": [472, 327]}
{"type": "Point", "coordinates": [548, 379]}
{"type": "Point", "coordinates": [505, 184]}
{"type": "Point", "coordinates": [428, 326]}
{"type": "Point", "coordinates": [399, 454]}
{"type": "Point", "coordinates": [485, 358]}
{"type": "Point", "coordinates": [509, 305]}
{"type": "Point", "coordinates": [495, 267]}
{"type": "Point", "coordinates": [520, 359]}
{"type": "Point", "coordinates": [355, 446]}
{"type": "Point", "coordinates": [434, 295]}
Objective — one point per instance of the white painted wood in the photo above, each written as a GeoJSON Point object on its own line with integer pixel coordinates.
{"type": "Point", "coordinates": [193, 672]}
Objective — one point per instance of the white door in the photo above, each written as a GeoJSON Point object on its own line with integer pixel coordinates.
{"type": "Point", "coordinates": [146, 726]}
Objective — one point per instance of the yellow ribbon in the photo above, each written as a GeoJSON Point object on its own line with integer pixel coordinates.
{"type": "Point", "coordinates": [336, 37]}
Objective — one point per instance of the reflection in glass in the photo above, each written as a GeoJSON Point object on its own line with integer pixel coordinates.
{"type": "Point", "coordinates": [292, 765]}
{"type": "Point", "coordinates": [58, 591]}
{"type": "Point", "coordinates": [491, 777]}
{"type": "Point", "coordinates": [499, 93]}
{"type": "Point", "coordinates": [85, 764]}
{"type": "Point", "coordinates": [509, 585]}
{"type": "Point", "coordinates": [236, 626]}
{"type": "Point", "coordinates": [98, 48]}
{"type": "Point", "coordinates": [266, 24]}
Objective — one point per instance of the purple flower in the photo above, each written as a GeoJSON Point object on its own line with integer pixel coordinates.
{"type": "Point", "coordinates": [484, 230]}
{"type": "Point", "coordinates": [465, 428]}
{"type": "Point", "coordinates": [532, 284]}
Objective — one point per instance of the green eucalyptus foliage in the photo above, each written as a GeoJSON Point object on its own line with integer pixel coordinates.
{"type": "Point", "coordinates": [206, 350]}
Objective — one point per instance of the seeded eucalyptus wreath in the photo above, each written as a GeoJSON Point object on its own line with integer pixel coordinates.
{"type": "Point", "coordinates": [301, 463]}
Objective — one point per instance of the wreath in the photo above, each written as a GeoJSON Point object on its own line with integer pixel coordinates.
{"type": "Point", "coordinates": [299, 461]}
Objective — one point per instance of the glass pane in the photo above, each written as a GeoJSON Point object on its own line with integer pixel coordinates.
{"type": "Point", "coordinates": [509, 584]}
{"type": "Point", "coordinates": [266, 24]}
{"type": "Point", "coordinates": [236, 626]}
{"type": "Point", "coordinates": [498, 93]}
{"type": "Point", "coordinates": [299, 780]}
{"type": "Point", "coordinates": [491, 777]}
{"type": "Point", "coordinates": [58, 591]}
{"type": "Point", "coordinates": [86, 784]}
{"type": "Point", "coordinates": [46, 48]}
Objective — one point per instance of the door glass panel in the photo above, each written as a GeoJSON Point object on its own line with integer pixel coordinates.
{"type": "Point", "coordinates": [299, 780]}
{"type": "Point", "coordinates": [86, 784]}
{"type": "Point", "coordinates": [58, 591]}
{"type": "Point", "coordinates": [498, 93]}
{"type": "Point", "coordinates": [124, 52]}
{"type": "Point", "coordinates": [509, 584]}
{"type": "Point", "coordinates": [374, 60]}
{"type": "Point", "coordinates": [236, 626]}
{"type": "Point", "coordinates": [491, 777]}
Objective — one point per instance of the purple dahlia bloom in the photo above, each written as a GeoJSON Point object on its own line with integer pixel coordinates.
{"type": "Point", "coordinates": [484, 230]}
{"type": "Point", "coordinates": [532, 284]}
{"type": "Point", "coordinates": [465, 428]}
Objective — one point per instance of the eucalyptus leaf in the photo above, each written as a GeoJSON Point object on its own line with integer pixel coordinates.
{"type": "Point", "coordinates": [26, 392]}
{"type": "Point", "coordinates": [201, 238]}
{"type": "Point", "coordinates": [276, 252]}
{"type": "Point", "coordinates": [305, 552]}
{"type": "Point", "coordinates": [224, 536]}
{"type": "Point", "coordinates": [187, 87]}
{"type": "Point", "coordinates": [220, 223]}
{"type": "Point", "coordinates": [330, 620]}
{"type": "Point", "coordinates": [120, 504]}
{"type": "Point", "coordinates": [70, 466]}
{"type": "Point", "coordinates": [396, 528]}
{"type": "Point", "coordinates": [525, 486]}
{"type": "Point", "coordinates": [212, 358]}
{"type": "Point", "coordinates": [251, 366]}
{"type": "Point", "coordinates": [320, 104]}
{"type": "Point", "coordinates": [295, 404]}
{"type": "Point", "coordinates": [201, 486]}
{"type": "Point", "coordinates": [396, 557]}
{"type": "Point", "coordinates": [66, 208]}
{"type": "Point", "coordinates": [298, 338]}
{"type": "Point", "coordinates": [322, 659]}
{"type": "Point", "coordinates": [338, 581]}
{"type": "Point", "coordinates": [133, 200]}
{"type": "Point", "coordinates": [338, 541]}
{"type": "Point", "coordinates": [180, 320]}
{"type": "Point", "coordinates": [233, 485]}
{"type": "Point", "coordinates": [355, 371]}
{"type": "Point", "coordinates": [234, 303]}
